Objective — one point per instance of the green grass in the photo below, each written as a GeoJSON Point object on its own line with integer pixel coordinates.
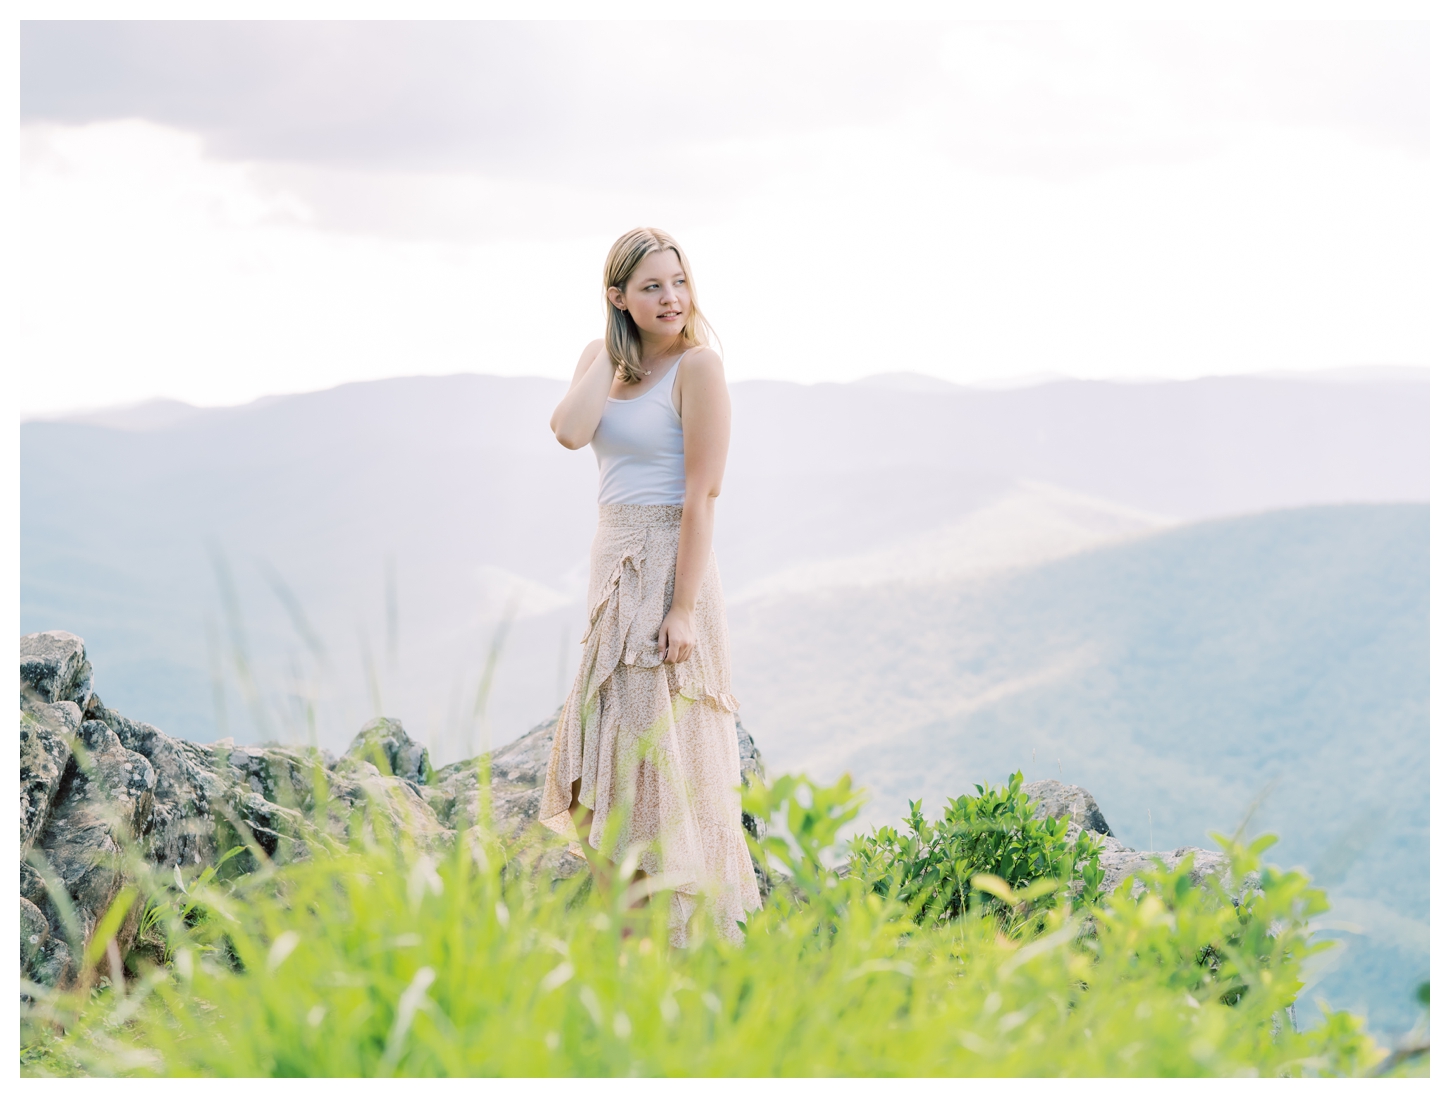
{"type": "Point", "coordinates": [380, 959]}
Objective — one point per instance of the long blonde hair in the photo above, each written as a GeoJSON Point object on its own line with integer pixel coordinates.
{"type": "Point", "coordinates": [621, 334]}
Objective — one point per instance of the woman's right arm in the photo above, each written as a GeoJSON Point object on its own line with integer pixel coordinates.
{"type": "Point", "coordinates": [577, 417]}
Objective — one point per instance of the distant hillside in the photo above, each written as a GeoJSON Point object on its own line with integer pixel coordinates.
{"type": "Point", "coordinates": [457, 481]}
{"type": "Point", "coordinates": [1183, 673]}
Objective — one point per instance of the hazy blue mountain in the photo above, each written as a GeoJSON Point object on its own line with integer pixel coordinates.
{"type": "Point", "coordinates": [1182, 673]}
{"type": "Point", "coordinates": [449, 477]}
{"type": "Point", "coordinates": [1190, 449]}
{"type": "Point", "coordinates": [458, 482]}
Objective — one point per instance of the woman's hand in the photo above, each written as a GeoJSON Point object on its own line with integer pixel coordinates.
{"type": "Point", "coordinates": [677, 635]}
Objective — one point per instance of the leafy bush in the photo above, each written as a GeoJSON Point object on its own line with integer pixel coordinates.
{"type": "Point", "coordinates": [991, 838]}
{"type": "Point", "coordinates": [380, 959]}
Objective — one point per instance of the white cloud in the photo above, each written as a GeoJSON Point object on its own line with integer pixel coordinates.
{"type": "Point", "coordinates": [153, 269]}
{"type": "Point", "coordinates": [342, 201]}
{"type": "Point", "coordinates": [1296, 250]}
{"type": "Point", "coordinates": [1055, 98]}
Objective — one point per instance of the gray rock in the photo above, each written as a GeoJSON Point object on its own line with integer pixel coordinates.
{"type": "Point", "coordinates": [752, 768]}
{"type": "Point", "coordinates": [516, 778]}
{"type": "Point", "coordinates": [34, 932]}
{"type": "Point", "coordinates": [32, 888]}
{"type": "Point", "coordinates": [189, 779]}
{"type": "Point", "coordinates": [100, 791]}
{"type": "Point", "coordinates": [359, 791]}
{"type": "Point", "coordinates": [207, 795]}
{"type": "Point", "coordinates": [127, 779]}
{"type": "Point", "coordinates": [43, 956]}
{"type": "Point", "coordinates": [1120, 862]}
{"type": "Point", "coordinates": [384, 740]}
{"type": "Point", "coordinates": [1056, 799]}
{"type": "Point", "coordinates": [46, 732]}
{"type": "Point", "coordinates": [102, 804]}
{"type": "Point", "coordinates": [54, 668]}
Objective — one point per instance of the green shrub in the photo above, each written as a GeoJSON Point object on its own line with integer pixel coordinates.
{"type": "Point", "coordinates": [991, 838]}
{"type": "Point", "coordinates": [383, 960]}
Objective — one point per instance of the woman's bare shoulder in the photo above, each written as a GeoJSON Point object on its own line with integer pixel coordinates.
{"type": "Point", "coordinates": [701, 360]}
{"type": "Point", "coordinates": [701, 378]}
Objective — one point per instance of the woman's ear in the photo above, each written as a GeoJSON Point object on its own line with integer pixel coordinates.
{"type": "Point", "coordinates": [616, 297]}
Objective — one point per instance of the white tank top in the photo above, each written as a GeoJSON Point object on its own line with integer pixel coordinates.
{"type": "Point", "coordinates": [640, 444]}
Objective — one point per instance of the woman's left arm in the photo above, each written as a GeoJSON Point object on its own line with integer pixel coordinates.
{"type": "Point", "coordinates": [705, 412]}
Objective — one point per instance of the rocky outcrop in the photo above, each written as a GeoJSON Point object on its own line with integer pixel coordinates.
{"type": "Point", "coordinates": [1055, 800]}
{"type": "Point", "coordinates": [1118, 861]}
{"type": "Point", "coordinates": [752, 768]}
{"type": "Point", "coordinates": [103, 805]}
{"type": "Point", "coordinates": [53, 667]}
{"type": "Point", "coordinates": [102, 795]}
{"type": "Point", "coordinates": [46, 734]}
{"type": "Point", "coordinates": [516, 778]}
{"type": "Point", "coordinates": [35, 942]}
{"type": "Point", "coordinates": [384, 743]}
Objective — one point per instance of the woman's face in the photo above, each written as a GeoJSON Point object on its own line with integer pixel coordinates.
{"type": "Point", "coordinates": [656, 295]}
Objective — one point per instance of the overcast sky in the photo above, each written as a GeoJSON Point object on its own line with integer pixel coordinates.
{"type": "Point", "coordinates": [216, 211]}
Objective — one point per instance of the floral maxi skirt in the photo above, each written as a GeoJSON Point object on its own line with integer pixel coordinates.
{"type": "Point", "coordinates": [653, 744]}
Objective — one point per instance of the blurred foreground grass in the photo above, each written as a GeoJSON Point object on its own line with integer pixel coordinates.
{"type": "Point", "coordinates": [381, 958]}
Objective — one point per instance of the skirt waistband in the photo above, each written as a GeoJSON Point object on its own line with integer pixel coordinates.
{"type": "Point", "coordinates": [633, 516]}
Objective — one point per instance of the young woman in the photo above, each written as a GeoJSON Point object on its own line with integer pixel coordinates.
{"type": "Point", "coordinates": [645, 762]}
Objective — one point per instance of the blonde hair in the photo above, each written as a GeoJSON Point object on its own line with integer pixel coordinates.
{"type": "Point", "coordinates": [621, 334]}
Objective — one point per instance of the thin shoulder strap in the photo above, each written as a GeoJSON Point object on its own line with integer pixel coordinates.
{"type": "Point", "coordinates": [666, 383]}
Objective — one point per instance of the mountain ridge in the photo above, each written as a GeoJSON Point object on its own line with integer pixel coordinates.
{"type": "Point", "coordinates": [156, 412]}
